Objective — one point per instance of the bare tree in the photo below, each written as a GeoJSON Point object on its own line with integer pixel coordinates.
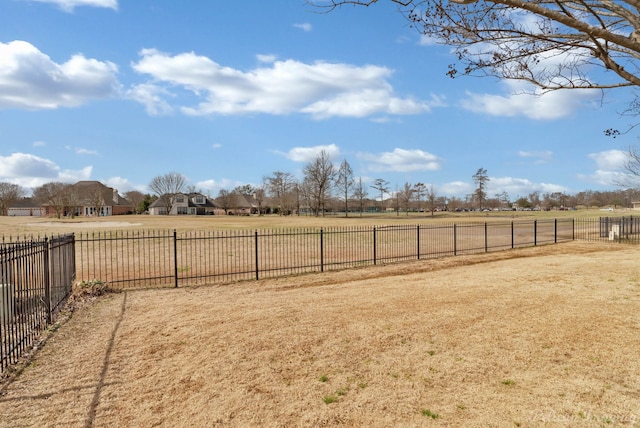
{"type": "Point", "coordinates": [432, 197]}
{"type": "Point", "coordinates": [503, 198]}
{"type": "Point", "coordinates": [319, 175]}
{"type": "Point", "coordinates": [53, 194]}
{"type": "Point", "coordinates": [136, 199]}
{"type": "Point", "coordinates": [360, 194]}
{"type": "Point", "coordinates": [631, 169]}
{"type": "Point", "coordinates": [166, 187]}
{"type": "Point", "coordinates": [419, 190]}
{"type": "Point", "coordinates": [345, 183]}
{"type": "Point", "coordinates": [534, 199]}
{"type": "Point", "coordinates": [382, 186]}
{"type": "Point", "coordinates": [9, 194]}
{"type": "Point", "coordinates": [245, 190]}
{"type": "Point", "coordinates": [259, 195]}
{"type": "Point", "coordinates": [281, 188]}
{"type": "Point", "coordinates": [548, 43]}
{"type": "Point", "coordinates": [405, 196]}
{"type": "Point", "coordinates": [72, 201]}
{"type": "Point", "coordinates": [94, 197]}
{"type": "Point", "coordinates": [225, 200]}
{"type": "Point", "coordinates": [481, 179]}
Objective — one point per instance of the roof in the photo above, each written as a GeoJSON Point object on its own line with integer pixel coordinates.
{"type": "Point", "coordinates": [208, 202]}
{"type": "Point", "coordinates": [86, 191]}
{"type": "Point", "coordinates": [25, 203]}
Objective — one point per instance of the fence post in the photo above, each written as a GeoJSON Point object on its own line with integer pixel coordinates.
{"type": "Point", "coordinates": [47, 280]}
{"type": "Point", "coordinates": [175, 257]}
{"type": "Point", "coordinates": [418, 231]}
{"type": "Point", "coordinates": [535, 232]}
{"type": "Point", "coordinates": [455, 239]}
{"type": "Point", "coordinates": [321, 251]}
{"type": "Point", "coordinates": [555, 230]}
{"type": "Point", "coordinates": [512, 236]}
{"type": "Point", "coordinates": [256, 252]}
{"type": "Point", "coordinates": [374, 245]}
{"type": "Point", "coordinates": [621, 230]}
{"type": "Point", "coordinates": [486, 239]}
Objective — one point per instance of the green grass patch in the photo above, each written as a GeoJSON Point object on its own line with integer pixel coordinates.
{"type": "Point", "coordinates": [328, 399]}
{"type": "Point", "coordinates": [429, 413]}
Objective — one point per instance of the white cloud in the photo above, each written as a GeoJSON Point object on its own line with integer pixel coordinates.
{"type": "Point", "coordinates": [320, 89]}
{"type": "Point", "coordinates": [514, 186]}
{"type": "Point", "coordinates": [455, 188]}
{"type": "Point", "coordinates": [610, 169]}
{"type": "Point", "coordinates": [308, 154]}
{"type": "Point", "coordinates": [539, 106]}
{"type": "Point", "coordinates": [610, 160]}
{"type": "Point", "coordinates": [427, 40]}
{"type": "Point", "coordinates": [70, 5]}
{"type": "Point", "coordinates": [538, 157]}
{"type": "Point", "coordinates": [212, 187]}
{"type": "Point", "coordinates": [216, 146]}
{"type": "Point", "coordinates": [151, 96]}
{"type": "Point", "coordinates": [32, 171]}
{"type": "Point", "coordinates": [401, 160]}
{"type": "Point", "coordinates": [39, 144]}
{"type": "Point", "coordinates": [29, 79]}
{"type": "Point", "coordinates": [81, 150]}
{"type": "Point", "coordinates": [520, 186]}
{"type": "Point", "coordinates": [266, 58]}
{"type": "Point", "coordinates": [304, 26]}
{"type": "Point", "coordinates": [123, 185]}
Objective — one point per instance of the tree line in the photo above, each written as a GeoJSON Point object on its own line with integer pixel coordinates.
{"type": "Point", "coordinates": [325, 187]}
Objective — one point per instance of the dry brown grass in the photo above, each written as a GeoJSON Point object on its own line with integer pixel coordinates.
{"type": "Point", "coordinates": [35, 225]}
{"type": "Point", "coordinates": [543, 336]}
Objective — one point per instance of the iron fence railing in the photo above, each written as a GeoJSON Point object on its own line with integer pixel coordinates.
{"type": "Point", "coordinates": [36, 277]}
{"type": "Point", "coordinates": [36, 274]}
{"type": "Point", "coordinates": [163, 258]}
{"type": "Point", "coordinates": [612, 229]}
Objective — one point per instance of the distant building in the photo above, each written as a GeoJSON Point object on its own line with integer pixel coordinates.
{"type": "Point", "coordinates": [25, 207]}
{"type": "Point", "coordinates": [85, 198]}
{"type": "Point", "coordinates": [185, 204]}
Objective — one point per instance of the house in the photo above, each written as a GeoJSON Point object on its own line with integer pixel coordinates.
{"type": "Point", "coordinates": [185, 204]}
{"type": "Point", "coordinates": [25, 207]}
{"type": "Point", "coordinates": [636, 205]}
{"type": "Point", "coordinates": [89, 199]}
{"type": "Point", "coordinates": [238, 204]}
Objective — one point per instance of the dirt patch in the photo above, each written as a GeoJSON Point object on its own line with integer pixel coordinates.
{"type": "Point", "coordinates": [532, 337]}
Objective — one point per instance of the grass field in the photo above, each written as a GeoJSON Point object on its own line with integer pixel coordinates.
{"type": "Point", "coordinates": [544, 336]}
{"type": "Point", "coordinates": [35, 225]}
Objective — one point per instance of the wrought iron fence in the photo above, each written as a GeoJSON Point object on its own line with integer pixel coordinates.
{"type": "Point", "coordinates": [36, 277]}
{"type": "Point", "coordinates": [612, 229]}
{"type": "Point", "coordinates": [152, 258]}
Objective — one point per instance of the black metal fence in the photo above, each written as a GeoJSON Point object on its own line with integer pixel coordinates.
{"type": "Point", "coordinates": [36, 277]}
{"type": "Point", "coordinates": [37, 274]}
{"type": "Point", "coordinates": [152, 258]}
{"type": "Point", "coordinates": [611, 229]}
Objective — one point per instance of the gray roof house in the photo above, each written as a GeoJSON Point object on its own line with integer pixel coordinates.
{"type": "Point", "coordinates": [25, 207]}
{"type": "Point", "coordinates": [185, 204]}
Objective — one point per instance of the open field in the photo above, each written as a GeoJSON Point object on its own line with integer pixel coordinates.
{"type": "Point", "coordinates": [544, 336]}
{"type": "Point", "coordinates": [37, 225]}
{"type": "Point", "coordinates": [40, 225]}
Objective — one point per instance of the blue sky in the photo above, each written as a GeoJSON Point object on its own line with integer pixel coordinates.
{"type": "Point", "coordinates": [228, 92]}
